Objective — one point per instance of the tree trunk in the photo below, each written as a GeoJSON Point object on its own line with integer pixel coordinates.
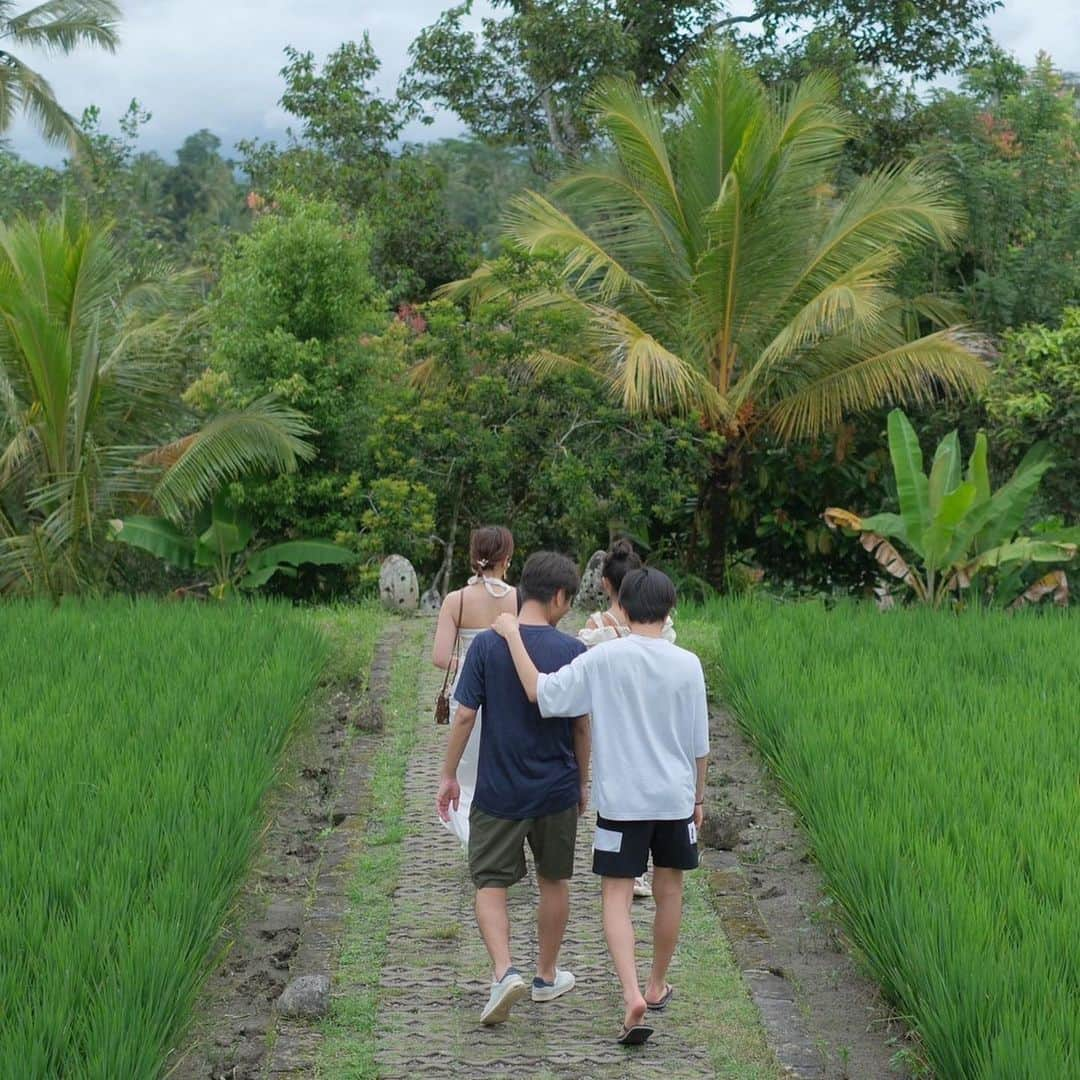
{"type": "Point", "coordinates": [722, 481]}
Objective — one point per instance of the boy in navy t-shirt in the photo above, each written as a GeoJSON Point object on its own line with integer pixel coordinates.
{"type": "Point", "coordinates": [532, 783]}
{"type": "Point", "coordinates": [650, 718]}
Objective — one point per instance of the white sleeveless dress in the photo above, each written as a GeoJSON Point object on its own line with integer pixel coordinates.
{"type": "Point", "coordinates": [466, 773]}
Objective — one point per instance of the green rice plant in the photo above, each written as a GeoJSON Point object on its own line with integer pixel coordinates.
{"type": "Point", "coordinates": [935, 765]}
{"type": "Point", "coordinates": [137, 741]}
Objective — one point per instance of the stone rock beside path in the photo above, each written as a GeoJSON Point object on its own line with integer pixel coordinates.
{"type": "Point", "coordinates": [398, 588]}
{"type": "Point", "coordinates": [306, 995]}
{"type": "Point", "coordinates": [430, 602]}
{"type": "Point", "coordinates": [590, 595]}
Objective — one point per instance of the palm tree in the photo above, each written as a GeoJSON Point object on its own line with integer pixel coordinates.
{"type": "Point", "coordinates": [92, 424]}
{"type": "Point", "coordinates": [54, 26]}
{"type": "Point", "coordinates": [719, 272]}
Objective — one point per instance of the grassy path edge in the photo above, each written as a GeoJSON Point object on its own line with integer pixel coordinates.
{"type": "Point", "coordinates": [348, 1047]}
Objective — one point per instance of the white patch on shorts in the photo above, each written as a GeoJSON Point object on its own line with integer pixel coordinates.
{"type": "Point", "coordinates": [607, 840]}
{"type": "Point", "coordinates": [692, 829]}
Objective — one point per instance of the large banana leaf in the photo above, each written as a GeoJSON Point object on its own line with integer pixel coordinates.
{"type": "Point", "coordinates": [945, 471]}
{"type": "Point", "coordinates": [978, 470]}
{"type": "Point", "coordinates": [159, 536]}
{"type": "Point", "coordinates": [228, 534]}
{"type": "Point", "coordinates": [1055, 585]}
{"type": "Point", "coordinates": [280, 558]}
{"type": "Point", "coordinates": [299, 552]}
{"type": "Point", "coordinates": [912, 487]}
{"type": "Point", "coordinates": [1024, 549]}
{"type": "Point", "coordinates": [950, 513]}
{"type": "Point", "coordinates": [1012, 499]}
{"type": "Point", "coordinates": [887, 524]}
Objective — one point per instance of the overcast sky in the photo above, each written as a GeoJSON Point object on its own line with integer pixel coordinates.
{"type": "Point", "coordinates": [215, 63]}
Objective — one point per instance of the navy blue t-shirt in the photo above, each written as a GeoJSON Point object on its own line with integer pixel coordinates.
{"type": "Point", "coordinates": [527, 766]}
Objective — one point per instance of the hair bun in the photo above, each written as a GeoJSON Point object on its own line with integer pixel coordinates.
{"type": "Point", "coordinates": [622, 547]}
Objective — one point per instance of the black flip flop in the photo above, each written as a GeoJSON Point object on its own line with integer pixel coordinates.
{"type": "Point", "coordinates": [662, 1004]}
{"type": "Point", "coordinates": [635, 1036]}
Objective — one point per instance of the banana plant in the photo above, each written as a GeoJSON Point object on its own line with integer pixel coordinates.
{"type": "Point", "coordinates": [221, 545]}
{"type": "Point", "coordinates": [951, 520]}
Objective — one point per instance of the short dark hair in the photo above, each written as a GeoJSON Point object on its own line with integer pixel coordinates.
{"type": "Point", "coordinates": [619, 561]}
{"type": "Point", "coordinates": [545, 573]}
{"type": "Point", "coordinates": [647, 596]}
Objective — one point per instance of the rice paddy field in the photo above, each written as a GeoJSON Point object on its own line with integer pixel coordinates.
{"type": "Point", "coordinates": [935, 763]}
{"type": "Point", "coordinates": [137, 741]}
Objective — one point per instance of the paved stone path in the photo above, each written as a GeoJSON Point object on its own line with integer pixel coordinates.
{"type": "Point", "coordinates": [436, 975]}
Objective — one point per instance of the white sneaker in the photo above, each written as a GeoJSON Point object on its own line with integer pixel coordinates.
{"type": "Point", "coordinates": [509, 990]}
{"type": "Point", "coordinates": [642, 887]}
{"type": "Point", "coordinates": [549, 991]}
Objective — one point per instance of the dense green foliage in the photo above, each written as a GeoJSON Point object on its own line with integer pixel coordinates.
{"type": "Point", "coordinates": [953, 522]}
{"type": "Point", "coordinates": [525, 78]}
{"type": "Point", "coordinates": [91, 421]}
{"type": "Point", "coordinates": [1010, 140]}
{"type": "Point", "coordinates": [291, 318]}
{"type": "Point", "coordinates": [1034, 396]}
{"type": "Point", "coordinates": [933, 761]}
{"type": "Point", "coordinates": [343, 153]}
{"type": "Point", "coordinates": [132, 815]}
{"type": "Point", "coordinates": [550, 456]}
{"type": "Point", "coordinates": [411, 467]}
{"type": "Point", "coordinates": [711, 276]}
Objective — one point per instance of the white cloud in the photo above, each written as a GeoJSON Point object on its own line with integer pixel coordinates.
{"type": "Point", "coordinates": [198, 63]}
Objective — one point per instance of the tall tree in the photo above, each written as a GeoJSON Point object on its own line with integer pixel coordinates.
{"type": "Point", "coordinates": [344, 151]}
{"type": "Point", "coordinates": [718, 272]}
{"type": "Point", "coordinates": [91, 421]}
{"type": "Point", "coordinates": [526, 76]}
{"type": "Point", "coordinates": [54, 26]}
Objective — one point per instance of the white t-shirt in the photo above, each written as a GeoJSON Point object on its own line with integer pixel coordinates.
{"type": "Point", "coordinates": [650, 722]}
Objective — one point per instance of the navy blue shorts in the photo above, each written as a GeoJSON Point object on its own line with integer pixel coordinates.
{"type": "Point", "coordinates": [621, 848]}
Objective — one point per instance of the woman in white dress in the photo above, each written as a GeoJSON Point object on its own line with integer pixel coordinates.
{"type": "Point", "coordinates": [608, 625]}
{"type": "Point", "coordinates": [486, 596]}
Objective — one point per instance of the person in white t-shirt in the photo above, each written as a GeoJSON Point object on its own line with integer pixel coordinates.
{"type": "Point", "coordinates": [650, 728]}
{"type": "Point", "coordinates": [610, 625]}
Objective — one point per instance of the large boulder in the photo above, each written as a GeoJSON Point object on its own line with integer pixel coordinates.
{"type": "Point", "coordinates": [591, 596]}
{"type": "Point", "coordinates": [398, 587]}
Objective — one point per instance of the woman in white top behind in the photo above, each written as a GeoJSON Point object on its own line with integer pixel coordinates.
{"type": "Point", "coordinates": [609, 625]}
{"type": "Point", "coordinates": [477, 605]}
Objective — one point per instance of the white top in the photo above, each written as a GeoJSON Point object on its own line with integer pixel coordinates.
{"type": "Point", "coordinates": [650, 722]}
{"type": "Point", "coordinates": [601, 627]}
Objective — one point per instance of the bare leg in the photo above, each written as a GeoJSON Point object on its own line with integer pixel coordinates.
{"type": "Point", "coordinates": [618, 894]}
{"type": "Point", "coordinates": [551, 916]}
{"type": "Point", "coordinates": [668, 895]}
{"type": "Point", "coordinates": [494, 920]}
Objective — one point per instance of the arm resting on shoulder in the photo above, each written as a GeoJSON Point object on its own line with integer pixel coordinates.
{"type": "Point", "coordinates": [506, 626]}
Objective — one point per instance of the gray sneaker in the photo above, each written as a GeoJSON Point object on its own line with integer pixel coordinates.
{"type": "Point", "coordinates": [563, 983]}
{"type": "Point", "coordinates": [505, 993]}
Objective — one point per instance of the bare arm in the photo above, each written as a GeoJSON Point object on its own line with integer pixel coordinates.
{"type": "Point", "coordinates": [507, 626]}
{"type": "Point", "coordinates": [449, 790]}
{"type": "Point", "coordinates": [582, 733]}
{"type": "Point", "coordinates": [442, 651]}
{"type": "Point", "coordinates": [699, 790]}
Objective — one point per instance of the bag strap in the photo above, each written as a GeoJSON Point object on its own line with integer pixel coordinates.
{"type": "Point", "coordinates": [451, 668]}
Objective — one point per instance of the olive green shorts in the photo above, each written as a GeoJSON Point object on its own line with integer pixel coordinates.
{"type": "Point", "coordinates": [497, 847]}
